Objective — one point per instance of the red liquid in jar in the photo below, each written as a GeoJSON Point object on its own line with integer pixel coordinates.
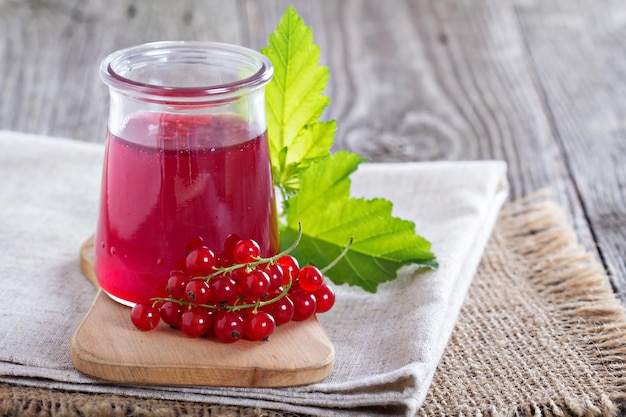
{"type": "Point", "coordinates": [201, 175]}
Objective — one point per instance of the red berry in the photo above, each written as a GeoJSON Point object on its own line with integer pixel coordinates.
{"type": "Point", "coordinates": [196, 321]}
{"type": "Point", "coordinates": [325, 298]}
{"type": "Point", "coordinates": [223, 290]}
{"type": "Point", "coordinates": [228, 327]}
{"type": "Point", "coordinates": [239, 275]}
{"type": "Point", "coordinates": [144, 316]}
{"type": "Point", "coordinates": [255, 285]}
{"type": "Point", "coordinates": [225, 258]}
{"type": "Point", "coordinates": [295, 287]}
{"type": "Point", "coordinates": [276, 275]}
{"type": "Point", "coordinates": [171, 312]}
{"type": "Point", "coordinates": [259, 325]}
{"type": "Point", "coordinates": [310, 278]}
{"type": "Point", "coordinates": [198, 291]}
{"type": "Point", "coordinates": [200, 261]}
{"type": "Point", "coordinates": [304, 305]}
{"type": "Point", "coordinates": [176, 284]}
{"type": "Point", "coordinates": [281, 310]}
{"type": "Point", "coordinates": [246, 251]}
{"type": "Point", "coordinates": [290, 268]}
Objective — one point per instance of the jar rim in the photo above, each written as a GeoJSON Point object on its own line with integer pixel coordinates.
{"type": "Point", "coordinates": [157, 51]}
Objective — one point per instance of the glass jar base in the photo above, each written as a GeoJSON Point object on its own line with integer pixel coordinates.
{"type": "Point", "coordinates": [120, 300]}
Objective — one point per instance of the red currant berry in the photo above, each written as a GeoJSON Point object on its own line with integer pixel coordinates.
{"type": "Point", "coordinates": [246, 251]}
{"type": "Point", "coordinates": [196, 321]}
{"type": "Point", "coordinates": [281, 310]}
{"type": "Point", "coordinates": [171, 312]}
{"type": "Point", "coordinates": [223, 290]}
{"type": "Point", "coordinates": [200, 261]}
{"type": "Point", "coordinates": [239, 275]}
{"type": "Point", "coordinates": [144, 316]}
{"type": "Point", "coordinates": [176, 284]}
{"type": "Point", "coordinates": [276, 274]}
{"type": "Point", "coordinates": [295, 287]}
{"type": "Point", "coordinates": [325, 298]}
{"type": "Point", "coordinates": [198, 291]}
{"type": "Point", "coordinates": [258, 326]}
{"type": "Point", "coordinates": [290, 268]}
{"type": "Point", "coordinates": [255, 285]}
{"type": "Point", "coordinates": [225, 258]}
{"type": "Point", "coordinates": [304, 305]}
{"type": "Point", "coordinates": [310, 278]}
{"type": "Point", "coordinates": [228, 327]}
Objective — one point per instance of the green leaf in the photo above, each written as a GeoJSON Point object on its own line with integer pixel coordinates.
{"type": "Point", "coordinates": [294, 102]}
{"type": "Point", "coordinates": [312, 143]}
{"type": "Point", "coordinates": [330, 217]}
{"type": "Point", "coordinates": [315, 184]}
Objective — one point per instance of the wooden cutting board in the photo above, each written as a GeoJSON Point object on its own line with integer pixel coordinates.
{"type": "Point", "coordinates": [106, 345]}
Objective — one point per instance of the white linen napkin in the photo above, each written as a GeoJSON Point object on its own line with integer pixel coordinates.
{"type": "Point", "coordinates": [387, 344]}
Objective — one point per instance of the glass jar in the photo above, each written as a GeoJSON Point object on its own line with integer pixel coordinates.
{"type": "Point", "coordinates": [186, 161]}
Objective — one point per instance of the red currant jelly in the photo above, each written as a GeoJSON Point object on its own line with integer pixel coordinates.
{"type": "Point", "coordinates": [206, 177]}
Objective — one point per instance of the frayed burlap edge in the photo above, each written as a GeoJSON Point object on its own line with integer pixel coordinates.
{"type": "Point", "coordinates": [556, 347]}
{"type": "Point", "coordinates": [37, 402]}
{"type": "Point", "coordinates": [575, 284]}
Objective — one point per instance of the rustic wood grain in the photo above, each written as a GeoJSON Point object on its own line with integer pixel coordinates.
{"type": "Point", "coordinates": [578, 53]}
{"type": "Point", "coordinates": [107, 346]}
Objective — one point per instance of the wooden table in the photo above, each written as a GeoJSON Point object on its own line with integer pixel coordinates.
{"type": "Point", "coordinates": [540, 84]}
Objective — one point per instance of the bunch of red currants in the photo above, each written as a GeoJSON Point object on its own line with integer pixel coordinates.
{"type": "Point", "coordinates": [236, 294]}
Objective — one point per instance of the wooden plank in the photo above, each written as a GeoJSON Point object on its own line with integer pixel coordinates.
{"type": "Point", "coordinates": [425, 80]}
{"type": "Point", "coordinates": [577, 50]}
{"type": "Point", "coordinates": [106, 345]}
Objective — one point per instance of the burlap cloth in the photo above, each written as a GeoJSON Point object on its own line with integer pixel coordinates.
{"type": "Point", "coordinates": [540, 334]}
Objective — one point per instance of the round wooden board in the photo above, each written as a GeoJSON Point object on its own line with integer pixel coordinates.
{"type": "Point", "coordinates": [107, 346]}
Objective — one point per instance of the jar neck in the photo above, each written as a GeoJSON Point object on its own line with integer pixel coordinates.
{"type": "Point", "coordinates": [184, 74]}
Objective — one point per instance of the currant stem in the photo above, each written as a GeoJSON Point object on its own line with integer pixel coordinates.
{"type": "Point", "coordinates": [262, 303]}
{"type": "Point", "coordinates": [338, 258]}
{"type": "Point", "coordinates": [234, 307]}
{"type": "Point", "coordinates": [260, 261]}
